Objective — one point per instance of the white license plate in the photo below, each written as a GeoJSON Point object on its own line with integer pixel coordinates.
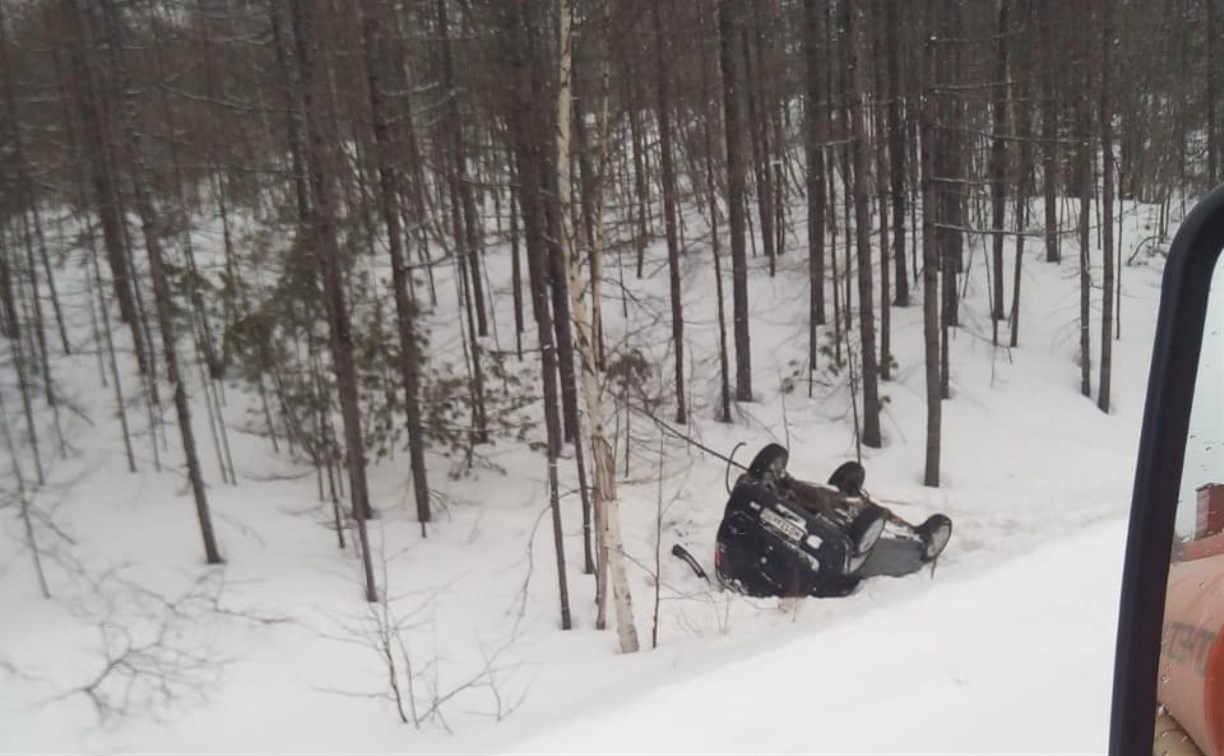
{"type": "Point", "coordinates": [781, 524]}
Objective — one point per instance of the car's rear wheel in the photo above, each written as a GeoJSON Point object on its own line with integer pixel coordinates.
{"type": "Point", "coordinates": [769, 465]}
{"type": "Point", "coordinates": [935, 534]}
{"type": "Point", "coordinates": [849, 478]}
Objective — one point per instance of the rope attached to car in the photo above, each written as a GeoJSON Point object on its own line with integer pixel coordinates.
{"type": "Point", "coordinates": [665, 426]}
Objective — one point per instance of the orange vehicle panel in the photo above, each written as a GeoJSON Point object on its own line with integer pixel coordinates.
{"type": "Point", "coordinates": [1204, 547]}
{"type": "Point", "coordinates": [1191, 685]}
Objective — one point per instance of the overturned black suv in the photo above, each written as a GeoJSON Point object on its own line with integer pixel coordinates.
{"type": "Point", "coordinates": [785, 537]}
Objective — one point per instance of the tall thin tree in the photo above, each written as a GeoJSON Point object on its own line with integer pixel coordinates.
{"type": "Point", "coordinates": [813, 121]}
{"type": "Point", "coordinates": [669, 210]}
{"type": "Point", "coordinates": [163, 297]}
{"type": "Point", "coordinates": [1050, 103]}
{"type": "Point", "coordinates": [851, 23]}
{"type": "Point", "coordinates": [896, 148]}
{"type": "Point", "coordinates": [930, 258]}
{"type": "Point", "coordinates": [318, 159]}
{"type": "Point", "coordinates": [1084, 161]}
{"type": "Point", "coordinates": [733, 137]}
{"type": "Point", "coordinates": [106, 199]}
{"type": "Point", "coordinates": [1107, 203]}
{"type": "Point", "coordinates": [601, 450]}
{"type": "Point", "coordinates": [405, 310]}
{"type": "Point", "coordinates": [525, 135]}
{"type": "Point", "coordinates": [998, 165]}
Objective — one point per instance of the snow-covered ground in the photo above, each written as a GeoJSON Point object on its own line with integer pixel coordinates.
{"type": "Point", "coordinates": [1007, 647]}
{"type": "Point", "coordinates": [1016, 658]}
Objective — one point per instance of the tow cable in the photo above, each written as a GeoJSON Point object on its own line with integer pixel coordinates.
{"type": "Point", "coordinates": [730, 460]}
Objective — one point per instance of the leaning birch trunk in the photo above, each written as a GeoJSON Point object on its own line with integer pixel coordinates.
{"type": "Point", "coordinates": [597, 250]}
{"type": "Point", "coordinates": [601, 450]}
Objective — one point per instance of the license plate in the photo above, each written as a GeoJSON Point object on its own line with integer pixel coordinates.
{"type": "Point", "coordinates": [781, 524]}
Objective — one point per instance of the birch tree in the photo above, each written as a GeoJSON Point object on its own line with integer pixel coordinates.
{"type": "Point", "coordinates": [606, 504]}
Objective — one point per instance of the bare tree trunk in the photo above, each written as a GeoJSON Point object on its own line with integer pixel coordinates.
{"type": "Point", "coordinates": [847, 173]}
{"type": "Point", "coordinates": [562, 315]}
{"type": "Point", "coordinates": [1021, 220]}
{"type": "Point", "coordinates": [324, 237]}
{"type": "Point", "coordinates": [516, 267]}
{"type": "Point", "coordinates": [1107, 201]}
{"type": "Point", "coordinates": [28, 198]}
{"type": "Point", "coordinates": [595, 554]}
{"type": "Point", "coordinates": [101, 176]}
{"type": "Point", "coordinates": [998, 166]}
{"type": "Point", "coordinates": [163, 297]}
{"type": "Point", "coordinates": [601, 450]}
{"type": "Point", "coordinates": [586, 171]}
{"type": "Point", "coordinates": [758, 141]}
{"type": "Point", "coordinates": [525, 135]}
{"type": "Point", "coordinates": [23, 498]}
{"type": "Point", "coordinates": [209, 364]}
{"type": "Point", "coordinates": [949, 169]}
{"type": "Point", "coordinates": [1085, 218]}
{"type": "Point", "coordinates": [1022, 117]}
{"type": "Point", "coordinates": [881, 170]}
{"type": "Point", "coordinates": [38, 326]}
{"type": "Point", "coordinates": [814, 145]}
{"type": "Point", "coordinates": [732, 131]}
{"type": "Point", "coordinates": [669, 213]}
{"type": "Point", "coordinates": [23, 386]}
{"type": "Point", "coordinates": [10, 324]}
{"type": "Point", "coordinates": [712, 151]}
{"type": "Point", "coordinates": [930, 261]}
{"type": "Point", "coordinates": [600, 188]}
{"type": "Point", "coordinates": [838, 308]}
{"type": "Point", "coordinates": [1049, 132]}
{"type": "Point", "coordinates": [94, 268]}
{"type": "Point", "coordinates": [471, 342]}
{"type": "Point", "coordinates": [639, 176]}
{"type": "Point", "coordinates": [896, 149]}
{"type": "Point", "coordinates": [470, 242]}
{"type": "Point", "coordinates": [410, 358]}
{"type": "Point", "coordinates": [851, 21]}
{"type": "Point", "coordinates": [291, 87]}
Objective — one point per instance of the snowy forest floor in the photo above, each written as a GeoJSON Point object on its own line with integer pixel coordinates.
{"type": "Point", "coordinates": [143, 648]}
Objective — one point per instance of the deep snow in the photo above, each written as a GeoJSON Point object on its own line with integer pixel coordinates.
{"type": "Point", "coordinates": [975, 664]}
{"type": "Point", "coordinates": [1006, 648]}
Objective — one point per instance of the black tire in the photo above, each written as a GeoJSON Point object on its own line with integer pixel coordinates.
{"type": "Point", "coordinates": [935, 534]}
{"type": "Point", "coordinates": [849, 479]}
{"type": "Point", "coordinates": [867, 528]}
{"type": "Point", "coordinates": [769, 464]}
